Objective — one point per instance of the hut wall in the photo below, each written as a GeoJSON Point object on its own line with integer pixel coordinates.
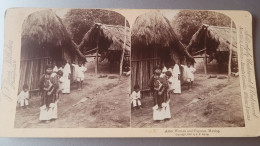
{"type": "Point", "coordinates": [143, 61]}
{"type": "Point", "coordinates": [33, 62]}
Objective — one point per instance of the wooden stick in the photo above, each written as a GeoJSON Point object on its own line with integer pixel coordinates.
{"type": "Point", "coordinates": [205, 53]}
{"type": "Point", "coordinates": [230, 52]}
{"type": "Point", "coordinates": [123, 52]}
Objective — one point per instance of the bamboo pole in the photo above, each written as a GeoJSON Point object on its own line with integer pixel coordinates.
{"type": "Point", "coordinates": [205, 52]}
{"type": "Point", "coordinates": [123, 52]}
{"type": "Point", "coordinates": [96, 65]}
{"type": "Point", "coordinates": [230, 52]}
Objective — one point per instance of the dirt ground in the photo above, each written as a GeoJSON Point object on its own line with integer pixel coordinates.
{"type": "Point", "coordinates": [103, 103]}
{"type": "Point", "coordinates": [213, 102]}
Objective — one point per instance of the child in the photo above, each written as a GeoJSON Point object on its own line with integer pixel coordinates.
{"type": "Point", "coordinates": [176, 79]}
{"type": "Point", "coordinates": [61, 83]}
{"type": "Point", "coordinates": [190, 76]}
{"type": "Point", "coordinates": [80, 77]}
{"type": "Point", "coordinates": [23, 97]}
{"type": "Point", "coordinates": [136, 97]}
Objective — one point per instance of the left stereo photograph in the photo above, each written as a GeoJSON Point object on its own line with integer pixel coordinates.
{"type": "Point", "coordinates": [74, 70]}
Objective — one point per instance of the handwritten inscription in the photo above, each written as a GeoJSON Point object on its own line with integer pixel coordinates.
{"type": "Point", "coordinates": [9, 69]}
{"type": "Point", "coordinates": [247, 74]}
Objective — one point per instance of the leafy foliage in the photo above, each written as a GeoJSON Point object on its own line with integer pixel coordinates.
{"type": "Point", "coordinates": [187, 22]}
{"type": "Point", "coordinates": [79, 21]}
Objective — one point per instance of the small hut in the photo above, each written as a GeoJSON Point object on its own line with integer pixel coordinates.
{"type": "Point", "coordinates": [108, 40]}
{"type": "Point", "coordinates": [44, 40]}
{"type": "Point", "coordinates": [215, 42]}
{"type": "Point", "coordinates": [153, 42]}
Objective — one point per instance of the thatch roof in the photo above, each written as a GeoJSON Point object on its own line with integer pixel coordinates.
{"type": "Point", "coordinates": [224, 36]}
{"type": "Point", "coordinates": [218, 39]}
{"type": "Point", "coordinates": [106, 37]}
{"type": "Point", "coordinates": [44, 29]}
{"type": "Point", "coordinates": [153, 29]}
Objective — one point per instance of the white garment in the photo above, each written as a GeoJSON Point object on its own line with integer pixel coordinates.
{"type": "Point", "coordinates": [158, 113]}
{"type": "Point", "coordinates": [190, 73]}
{"type": "Point", "coordinates": [167, 110]}
{"type": "Point", "coordinates": [81, 71]}
{"type": "Point", "coordinates": [49, 113]}
{"type": "Point", "coordinates": [136, 98]}
{"type": "Point", "coordinates": [23, 98]}
{"type": "Point", "coordinates": [66, 73]}
{"type": "Point", "coordinates": [162, 113]}
{"type": "Point", "coordinates": [55, 69]}
{"type": "Point", "coordinates": [176, 82]}
{"type": "Point", "coordinates": [164, 70]}
{"type": "Point", "coordinates": [62, 80]}
{"type": "Point", "coordinates": [76, 68]}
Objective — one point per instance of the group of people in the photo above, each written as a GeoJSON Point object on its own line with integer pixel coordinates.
{"type": "Point", "coordinates": [164, 83]}
{"type": "Point", "coordinates": [53, 82]}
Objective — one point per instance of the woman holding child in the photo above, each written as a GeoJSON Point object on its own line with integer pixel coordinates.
{"type": "Point", "coordinates": [159, 85]}
{"type": "Point", "coordinates": [48, 86]}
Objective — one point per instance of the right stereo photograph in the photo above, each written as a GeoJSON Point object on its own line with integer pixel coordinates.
{"type": "Point", "coordinates": [184, 70]}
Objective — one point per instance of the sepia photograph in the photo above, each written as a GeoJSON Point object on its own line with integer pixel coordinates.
{"type": "Point", "coordinates": [74, 70]}
{"type": "Point", "coordinates": [184, 70]}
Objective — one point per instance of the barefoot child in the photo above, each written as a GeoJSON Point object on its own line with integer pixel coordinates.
{"type": "Point", "coordinates": [81, 69]}
{"type": "Point", "coordinates": [136, 97]}
{"type": "Point", "coordinates": [190, 76]}
{"type": "Point", "coordinates": [23, 97]}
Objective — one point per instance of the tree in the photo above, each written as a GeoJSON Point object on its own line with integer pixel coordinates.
{"type": "Point", "coordinates": [79, 21]}
{"type": "Point", "coordinates": [187, 22]}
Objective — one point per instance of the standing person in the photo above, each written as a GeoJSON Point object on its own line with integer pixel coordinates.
{"type": "Point", "coordinates": [67, 76]}
{"type": "Point", "coordinates": [61, 81]}
{"type": "Point", "coordinates": [80, 77]}
{"type": "Point", "coordinates": [155, 76]}
{"type": "Point", "coordinates": [48, 88]}
{"type": "Point", "coordinates": [169, 78]}
{"type": "Point", "coordinates": [176, 79]}
{"type": "Point", "coordinates": [136, 97]}
{"type": "Point", "coordinates": [23, 97]}
{"type": "Point", "coordinates": [190, 76]}
{"type": "Point", "coordinates": [160, 87]}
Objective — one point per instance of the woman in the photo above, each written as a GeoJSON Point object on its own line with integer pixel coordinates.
{"type": "Point", "coordinates": [48, 88]}
{"type": "Point", "coordinates": [160, 86]}
{"type": "Point", "coordinates": [67, 76]}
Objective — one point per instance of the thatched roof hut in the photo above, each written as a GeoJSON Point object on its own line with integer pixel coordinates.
{"type": "Point", "coordinates": [106, 38]}
{"type": "Point", "coordinates": [153, 30]}
{"type": "Point", "coordinates": [44, 39]}
{"type": "Point", "coordinates": [217, 40]}
{"type": "Point", "coordinates": [154, 42]}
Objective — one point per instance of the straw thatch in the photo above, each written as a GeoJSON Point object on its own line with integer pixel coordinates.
{"type": "Point", "coordinates": [154, 42]}
{"type": "Point", "coordinates": [106, 38]}
{"type": "Point", "coordinates": [44, 40]}
{"type": "Point", "coordinates": [42, 32]}
{"type": "Point", "coordinates": [217, 40]}
{"type": "Point", "coordinates": [218, 43]}
{"type": "Point", "coordinates": [153, 29]}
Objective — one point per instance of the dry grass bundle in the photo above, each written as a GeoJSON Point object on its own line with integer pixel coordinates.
{"type": "Point", "coordinates": [218, 39]}
{"type": "Point", "coordinates": [45, 30]}
{"type": "Point", "coordinates": [106, 37]}
{"type": "Point", "coordinates": [153, 28]}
